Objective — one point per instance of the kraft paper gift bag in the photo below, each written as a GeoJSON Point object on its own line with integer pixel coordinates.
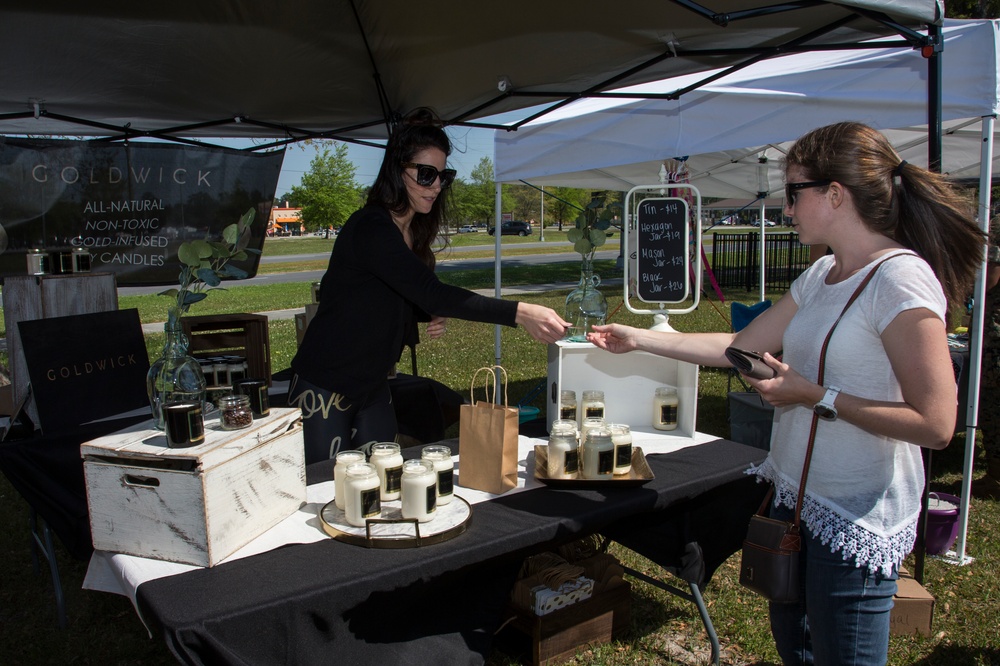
{"type": "Point", "coordinates": [487, 439]}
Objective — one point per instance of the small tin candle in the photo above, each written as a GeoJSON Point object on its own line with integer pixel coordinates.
{"type": "Point", "coordinates": [563, 451]}
{"type": "Point", "coordinates": [183, 423]}
{"type": "Point", "coordinates": [256, 389]}
{"type": "Point", "coordinates": [389, 464]}
{"type": "Point", "coordinates": [665, 408]}
{"type": "Point", "coordinates": [598, 454]}
{"type": "Point", "coordinates": [343, 461]}
{"type": "Point", "coordinates": [440, 457]}
{"type": "Point", "coordinates": [621, 437]}
{"type": "Point", "coordinates": [418, 487]}
{"type": "Point", "coordinates": [361, 495]}
{"type": "Point", "coordinates": [38, 262]}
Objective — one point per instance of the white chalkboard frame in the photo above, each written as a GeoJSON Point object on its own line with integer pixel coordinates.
{"type": "Point", "coordinates": [630, 237]}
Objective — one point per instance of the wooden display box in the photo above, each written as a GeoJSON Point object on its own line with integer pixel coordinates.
{"type": "Point", "coordinates": [233, 334]}
{"type": "Point", "coordinates": [558, 636]}
{"type": "Point", "coordinates": [196, 505]}
{"type": "Point", "coordinates": [628, 381]}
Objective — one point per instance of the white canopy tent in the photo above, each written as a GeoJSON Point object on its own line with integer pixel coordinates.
{"type": "Point", "coordinates": [734, 132]}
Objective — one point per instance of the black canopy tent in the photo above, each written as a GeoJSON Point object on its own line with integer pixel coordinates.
{"type": "Point", "coordinates": [344, 69]}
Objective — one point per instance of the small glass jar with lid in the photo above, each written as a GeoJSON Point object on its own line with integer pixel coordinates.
{"type": "Point", "coordinates": [343, 460]}
{"type": "Point", "coordinates": [418, 490]}
{"type": "Point", "coordinates": [439, 456]}
{"type": "Point", "coordinates": [592, 405]}
{"type": "Point", "coordinates": [361, 496]}
{"type": "Point", "coordinates": [567, 406]}
{"type": "Point", "coordinates": [388, 463]}
{"type": "Point", "coordinates": [234, 412]}
{"type": "Point", "coordinates": [665, 408]}
{"type": "Point", "coordinates": [598, 454]}
{"type": "Point", "coordinates": [563, 450]}
{"type": "Point", "coordinates": [621, 437]}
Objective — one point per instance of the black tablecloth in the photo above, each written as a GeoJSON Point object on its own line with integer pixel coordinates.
{"type": "Point", "coordinates": [332, 602]}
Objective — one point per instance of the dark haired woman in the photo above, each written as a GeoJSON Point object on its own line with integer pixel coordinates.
{"type": "Point", "coordinates": [379, 283]}
{"type": "Point", "coordinates": [888, 389]}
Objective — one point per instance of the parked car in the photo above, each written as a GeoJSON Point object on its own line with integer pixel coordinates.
{"type": "Point", "coordinates": [515, 228]}
{"type": "Point", "coordinates": [466, 229]}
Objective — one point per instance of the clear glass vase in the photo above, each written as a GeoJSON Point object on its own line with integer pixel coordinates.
{"type": "Point", "coordinates": [175, 376]}
{"type": "Point", "coordinates": [585, 305]}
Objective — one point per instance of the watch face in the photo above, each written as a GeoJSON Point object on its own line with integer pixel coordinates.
{"type": "Point", "coordinates": [825, 413]}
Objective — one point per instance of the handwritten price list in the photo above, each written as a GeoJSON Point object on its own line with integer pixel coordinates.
{"type": "Point", "coordinates": [661, 250]}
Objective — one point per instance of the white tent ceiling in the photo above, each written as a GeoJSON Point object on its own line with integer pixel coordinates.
{"type": "Point", "coordinates": [340, 68]}
{"type": "Point", "coordinates": [726, 126]}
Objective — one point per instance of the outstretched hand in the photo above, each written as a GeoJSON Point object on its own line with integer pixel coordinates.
{"type": "Point", "coordinates": [616, 338]}
{"type": "Point", "coordinates": [542, 323]}
{"type": "Point", "coordinates": [437, 327]}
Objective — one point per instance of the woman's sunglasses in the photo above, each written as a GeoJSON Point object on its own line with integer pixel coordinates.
{"type": "Point", "coordinates": [792, 189]}
{"type": "Point", "coordinates": [426, 174]}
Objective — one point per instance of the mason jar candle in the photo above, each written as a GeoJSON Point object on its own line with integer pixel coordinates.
{"type": "Point", "coordinates": [598, 454]}
{"type": "Point", "coordinates": [592, 405]}
{"type": "Point", "coordinates": [588, 425]}
{"type": "Point", "coordinates": [563, 451]}
{"type": "Point", "coordinates": [388, 463]}
{"type": "Point", "coordinates": [665, 408]}
{"type": "Point", "coordinates": [567, 406]}
{"type": "Point", "coordinates": [621, 437]}
{"type": "Point", "coordinates": [343, 460]}
{"type": "Point", "coordinates": [361, 494]}
{"type": "Point", "coordinates": [439, 456]}
{"type": "Point", "coordinates": [418, 487]}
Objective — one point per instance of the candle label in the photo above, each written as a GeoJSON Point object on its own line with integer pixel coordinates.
{"type": "Point", "coordinates": [393, 479]}
{"type": "Point", "coordinates": [668, 414]}
{"type": "Point", "coordinates": [624, 455]}
{"type": "Point", "coordinates": [370, 503]}
{"type": "Point", "coordinates": [606, 462]}
{"type": "Point", "coordinates": [431, 498]}
{"type": "Point", "coordinates": [572, 464]}
{"type": "Point", "coordinates": [446, 482]}
{"type": "Point", "coordinates": [567, 413]}
{"type": "Point", "coordinates": [595, 413]}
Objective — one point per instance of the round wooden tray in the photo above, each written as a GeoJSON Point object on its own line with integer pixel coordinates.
{"type": "Point", "coordinates": [391, 530]}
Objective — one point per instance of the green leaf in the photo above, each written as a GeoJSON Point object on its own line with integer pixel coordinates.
{"type": "Point", "coordinates": [598, 237]}
{"type": "Point", "coordinates": [232, 271]}
{"type": "Point", "coordinates": [246, 220]}
{"type": "Point", "coordinates": [244, 239]}
{"type": "Point", "coordinates": [187, 254]}
{"type": "Point", "coordinates": [208, 276]}
{"type": "Point", "coordinates": [194, 297]}
{"type": "Point", "coordinates": [573, 235]}
{"type": "Point", "coordinates": [252, 250]}
{"type": "Point", "coordinates": [169, 292]}
{"type": "Point", "coordinates": [231, 234]}
{"type": "Point", "coordinates": [583, 246]}
{"type": "Point", "coordinates": [602, 224]}
{"type": "Point", "coordinates": [240, 256]}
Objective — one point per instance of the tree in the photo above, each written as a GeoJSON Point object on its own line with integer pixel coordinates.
{"type": "Point", "coordinates": [566, 204]}
{"type": "Point", "coordinates": [480, 194]}
{"type": "Point", "coordinates": [328, 193]}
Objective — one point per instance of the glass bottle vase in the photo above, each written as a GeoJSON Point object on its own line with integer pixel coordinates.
{"type": "Point", "coordinates": [175, 376]}
{"type": "Point", "coordinates": [585, 305]}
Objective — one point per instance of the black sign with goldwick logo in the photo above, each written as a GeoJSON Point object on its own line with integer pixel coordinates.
{"type": "Point", "coordinates": [85, 367]}
{"type": "Point", "coordinates": [128, 207]}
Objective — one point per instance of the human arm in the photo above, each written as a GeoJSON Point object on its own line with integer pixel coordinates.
{"type": "Point", "coordinates": [541, 323]}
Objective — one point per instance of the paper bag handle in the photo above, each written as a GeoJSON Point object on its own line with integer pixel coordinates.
{"type": "Point", "coordinates": [490, 369]}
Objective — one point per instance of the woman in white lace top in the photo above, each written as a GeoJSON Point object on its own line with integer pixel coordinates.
{"type": "Point", "coordinates": [889, 385]}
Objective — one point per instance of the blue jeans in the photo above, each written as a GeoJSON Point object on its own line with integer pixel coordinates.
{"type": "Point", "coordinates": [843, 613]}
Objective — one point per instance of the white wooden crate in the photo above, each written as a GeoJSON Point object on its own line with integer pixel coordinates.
{"type": "Point", "coordinates": [196, 505]}
{"type": "Point", "coordinates": [628, 381]}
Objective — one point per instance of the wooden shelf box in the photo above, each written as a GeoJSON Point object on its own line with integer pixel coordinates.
{"type": "Point", "coordinates": [232, 334]}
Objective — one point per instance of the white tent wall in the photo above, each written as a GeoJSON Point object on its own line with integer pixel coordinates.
{"type": "Point", "coordinates": [726, 128]}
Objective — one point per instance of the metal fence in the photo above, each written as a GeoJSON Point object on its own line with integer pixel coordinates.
{"type": "Point", "coordinates": [736, 260]}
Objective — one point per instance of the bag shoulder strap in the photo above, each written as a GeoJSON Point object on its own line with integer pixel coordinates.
{"type": "Point", "coordinates": [822, 372]}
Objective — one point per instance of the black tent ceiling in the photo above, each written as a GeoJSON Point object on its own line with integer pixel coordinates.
{"type": "Point", "coordinates": [340, 69]}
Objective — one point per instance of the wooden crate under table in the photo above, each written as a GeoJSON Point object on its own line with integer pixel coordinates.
{"type": "Point", "coordinates": [196, 505]}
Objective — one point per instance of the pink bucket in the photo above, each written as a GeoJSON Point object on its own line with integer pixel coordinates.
{"type": "Point", "coordinates": [942, 523]}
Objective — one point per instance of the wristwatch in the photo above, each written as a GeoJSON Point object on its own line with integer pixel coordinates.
{"type": "Point", "coordinates": [824, 408]}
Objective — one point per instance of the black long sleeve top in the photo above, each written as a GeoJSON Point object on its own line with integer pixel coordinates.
{"type": "Point", "coordinates": [369, 294]}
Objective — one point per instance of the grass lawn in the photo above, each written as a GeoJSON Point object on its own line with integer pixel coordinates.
{"type": "Point", "coordinates": [104, 629]}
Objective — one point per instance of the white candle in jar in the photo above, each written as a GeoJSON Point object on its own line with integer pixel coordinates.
{"type": "Point", "coordinates": [344, 458]}
{"type": "Point", "coordinates": [598, 454]}
{"type": "Point", "coordinates": [621, 437]}
{"type": "Point", "coordinates": [361, 494]}
{"type": "Point", "coordinates": [567, 406]}
{"type": "Point", "coordinates": [388, 463]}
{"type": "Point", "coordinates": [419, 490]}
{"type": "Point", "coordinates": [588, 425]}
{"type": "Point", "coordinates": [592, 405]}
{"type": "Point", "coordinates": [440, 457]}
{"type": "Point", "coordinates": [665, 408]}
{"type": "Point", "coordinates": [563, 451]}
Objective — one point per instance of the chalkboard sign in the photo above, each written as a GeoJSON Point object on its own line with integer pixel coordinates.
{"type": "Point", "coordinates": [661, 257]}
